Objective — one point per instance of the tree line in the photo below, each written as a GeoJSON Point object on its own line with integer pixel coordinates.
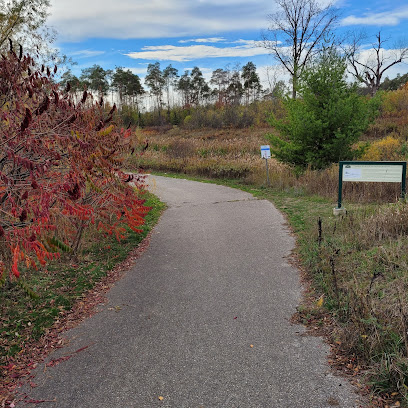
{"type": "Point", "coordinates": [167, 88]}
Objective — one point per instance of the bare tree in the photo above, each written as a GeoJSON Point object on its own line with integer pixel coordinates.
{"type": "Point", "coordinates": [277, 87]}
{"type": "Point", "coordinates": [368, 68]}
{"type": "Point", "coordinates": [296, 32]}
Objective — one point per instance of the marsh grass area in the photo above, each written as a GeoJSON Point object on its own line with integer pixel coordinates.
{"type": "Point", "coordinates": [356, 263]}
{"type": "Point", "coordinates": [42, 299]}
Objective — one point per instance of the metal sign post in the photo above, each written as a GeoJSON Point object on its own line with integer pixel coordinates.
{"type": "Point", "coordinates": [266, 154]}
{"type": "Point", "coordinates": [365, 171]}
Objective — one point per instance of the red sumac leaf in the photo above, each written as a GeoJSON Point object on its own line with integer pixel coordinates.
{"type": "Point", "coordinates": [27, 120]}
{"type": "Point", "coordinates": [23, 215]}
{"type": "Point", "coordinates": [56, 97]}
{"type": "Point", "coordinates": [43, 107]}
{"type": "Point", "coordinates": [75, 192]}
{"type": "Point", "coordinates": [113, 109]}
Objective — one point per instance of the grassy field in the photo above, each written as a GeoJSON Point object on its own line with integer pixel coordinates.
{"type": "Point", "coordinates": [356, 263]}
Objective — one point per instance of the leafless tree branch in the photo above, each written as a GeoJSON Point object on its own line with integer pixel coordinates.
{"type": "Point", "coordinates": [370, 70]}
{"type": "Point", "coordinates": [296, 32]}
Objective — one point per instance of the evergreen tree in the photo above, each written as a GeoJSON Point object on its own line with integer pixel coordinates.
{"type": "Point", "coordinates": [96, 79]}
{"type": "Point", "coordinates": [170, 75]}
{"type": "Point", "coordinates": [156, 82]}
{"type": "Point", "coordinates": [252, 84]}
{"type": "Point", "coordinates": [323, 125]}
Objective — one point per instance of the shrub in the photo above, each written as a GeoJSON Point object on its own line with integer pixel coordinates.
{"type": "Point", "coordinates": [59, 168]}
{"type": "Point", "coordinates": [396, 102]}
{"type": "Point", "coordinates": [384, 149]}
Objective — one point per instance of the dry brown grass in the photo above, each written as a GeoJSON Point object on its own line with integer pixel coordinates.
{"type": "Point", "coordinates": [228, 153]}
{"type": "Point", "coordinates": [361, 266]}
{"type": "Point", "coordinates": [235, 154]}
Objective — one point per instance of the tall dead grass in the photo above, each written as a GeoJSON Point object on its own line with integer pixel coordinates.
{"type": "Point", "coordinates": [362, 266]}
{"type": "Point", "coordinates": [235, 154]}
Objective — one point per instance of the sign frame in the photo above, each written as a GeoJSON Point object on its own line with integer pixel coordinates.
{"type": "Point", "coordinates": [359, 175]}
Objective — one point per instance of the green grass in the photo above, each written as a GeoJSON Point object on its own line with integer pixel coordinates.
{"type": "Point", "coordinates": [27, 314]}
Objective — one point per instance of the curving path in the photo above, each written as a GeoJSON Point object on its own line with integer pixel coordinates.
{"type": "Point", "coordinates": [202, 320]}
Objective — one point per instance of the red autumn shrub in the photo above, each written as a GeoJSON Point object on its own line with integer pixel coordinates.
{"type": "Point", "coordinates": [60, 168]}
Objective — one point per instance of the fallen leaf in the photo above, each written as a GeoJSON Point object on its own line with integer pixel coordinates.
{"type": "Point", "coordinates": [252, 346]}
{"type": "Point", "coordinates": [56, 361]}
{"type": "Point", "coordinates": [319, 302]}
{"type": "Point", "coordinates": [161, 398]}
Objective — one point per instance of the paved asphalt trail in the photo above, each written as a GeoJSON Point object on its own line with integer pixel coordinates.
{"type": "Point", "coordinates": [214, 281]}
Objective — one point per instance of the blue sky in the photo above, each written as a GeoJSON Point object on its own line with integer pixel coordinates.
{"type": "Point", "coordinates": [209, 34]}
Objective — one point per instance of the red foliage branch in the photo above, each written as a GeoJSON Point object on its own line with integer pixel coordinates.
{"type": "Point", "coordinates": [60, 168]}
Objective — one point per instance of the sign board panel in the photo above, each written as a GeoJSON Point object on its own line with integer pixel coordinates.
{"type": "Point", "coordinates": [266, 152]}
{"type": "Point", "coordinates": [373, 173]}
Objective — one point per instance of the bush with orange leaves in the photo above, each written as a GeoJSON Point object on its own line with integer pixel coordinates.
{"type": "Point", "coordinates": [60, 168]}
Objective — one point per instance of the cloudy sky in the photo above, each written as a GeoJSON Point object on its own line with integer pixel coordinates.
{"type": "Point", "coordinates": [209, 34]}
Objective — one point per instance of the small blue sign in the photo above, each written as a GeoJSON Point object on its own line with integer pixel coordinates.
{"type": "Point", "coordinates": [266, 152]}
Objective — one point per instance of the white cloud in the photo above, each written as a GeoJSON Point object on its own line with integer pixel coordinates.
{"type": "Point", "coordinates": [204, 40]}
{"type": "Point", "coordinates": [86, 53]}
{"type": "Point", "coordinates": [137, 71]}
{"type": "Point", "coordinates": [248, 42]}
{"type": "Point", "coordinates": [77, 19]}
{"type": "Point", "coordinates": [388, 18]}
{"type": "Point", "coordinates": [192, 52]}
{"type": "Point", "coordinates": [207, 72]}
